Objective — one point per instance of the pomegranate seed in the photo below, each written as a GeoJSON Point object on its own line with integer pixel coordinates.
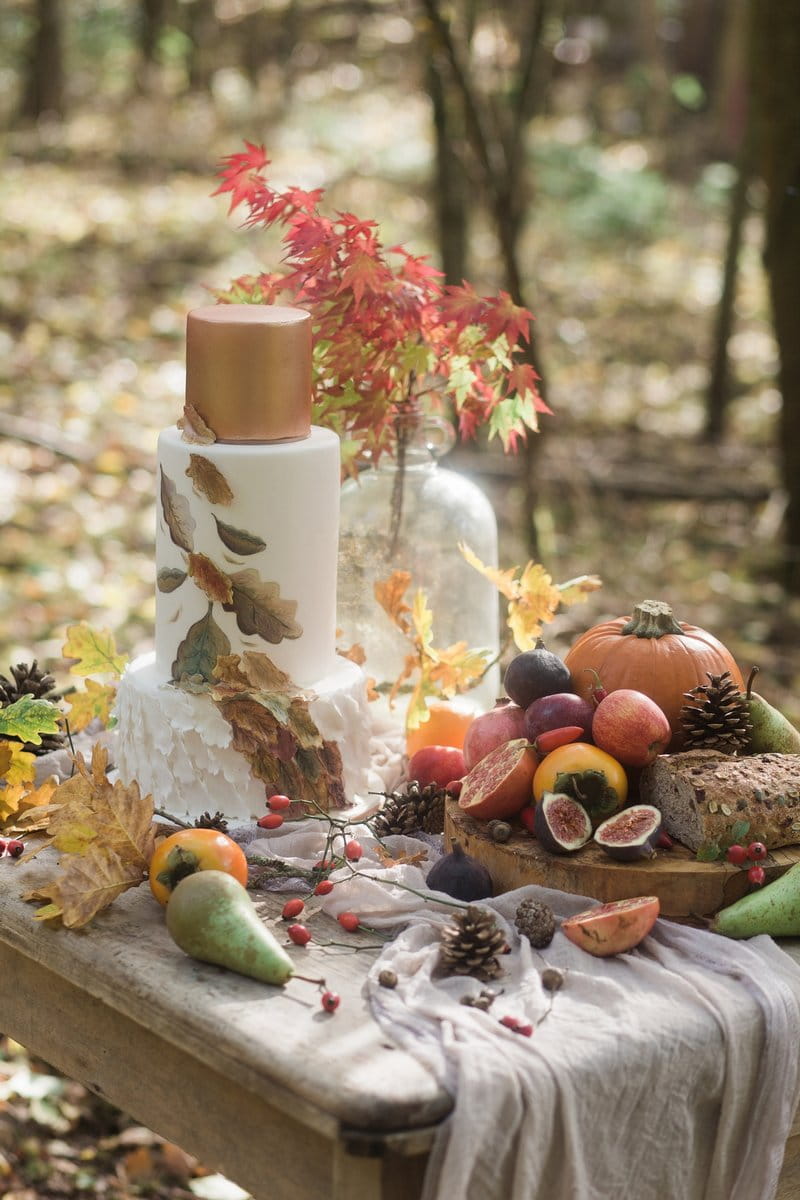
{"type": "Point", "coordinates": [271, 820]}
{"type": "Point", "coordinates": [278, 803]}
{"type": "Point", "coordinates": [353, 851]}
{"type": "Point", "coordinates": [349, 921]}
{"type": "Point", "coordinates": [736, 855]}
{"type": "Point", "coordinates": [756, 875]}
{"type": "Point", "coordinates": [756, 851]}
{"type": "Point", "coordinates": [299, 934]}
{"type": "Point", "coordinates": [292, 908]}
{"type": "Point", "coordinates": [323, 888]}
{"type": "Point", "coordinates": [330, 1001]}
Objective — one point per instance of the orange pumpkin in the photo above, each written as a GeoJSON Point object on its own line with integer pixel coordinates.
{"type": "Point", "coordinates": [653, 653]}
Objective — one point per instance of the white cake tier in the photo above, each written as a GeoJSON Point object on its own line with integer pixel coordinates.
{"type": "Point", "coordinates": [246, 554]}
{"type": "Point", "coordinates": [177, 745]}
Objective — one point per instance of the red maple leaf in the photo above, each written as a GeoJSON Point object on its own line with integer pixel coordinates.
{"type": "Point", "coordinates": [238, 171]}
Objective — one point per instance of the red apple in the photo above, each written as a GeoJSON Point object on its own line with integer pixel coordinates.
{"type": "Point", "coordinates": [631, 727]}
{"type": "Point", "coordinates": [501, 724]}
{"type": "Point", "coordinates": [436, 764]}
{"type": "Point", "coordinates": [556, 711]}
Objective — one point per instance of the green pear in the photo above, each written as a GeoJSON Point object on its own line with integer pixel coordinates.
{"type": "Point", "coordinates": [774, 909]}
{"type": "Point", "coordinates": [772, 732]}
{"type": "Point", "coordinates": [212, 918]}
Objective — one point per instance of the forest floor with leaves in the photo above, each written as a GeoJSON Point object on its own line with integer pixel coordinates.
{"type": "Point", "coordinates": [106, 246]}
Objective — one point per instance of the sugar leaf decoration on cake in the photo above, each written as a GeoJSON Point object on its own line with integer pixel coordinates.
{"type": "Point", "coordinates": [273, 728]}
{"type": "Point", "coordinates": [204, 643]}
{"type": "Point", "coordinates": [193, 428]}
{"type": "Point", "coordinates": [239, 540]}
{"type": "Point", "coordinates": [210, 579]}
{"type": "Point", "coordinates": [259, 608]}
{"type": "Point", "coordinates": [178, 518]}
{"type": "Point", "coordinates": [170, 578]}
{"type": "Point", "coordinates": [208, 480]}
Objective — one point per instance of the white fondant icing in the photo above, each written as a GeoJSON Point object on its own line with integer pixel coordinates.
{"type": "Point", "coordinates": [286, 494]}
{"type": "Point", "coordinates": [177, 746]}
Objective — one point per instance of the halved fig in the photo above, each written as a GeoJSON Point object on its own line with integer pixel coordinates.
{"type": "Point", "coordinates": [612, 928]}
{"type": "Point", "coordinates": [500, 784]}
{"type": "Point", "coordinates": [631, 833]}
{"type": "Point", "coordinates": [561, 824]}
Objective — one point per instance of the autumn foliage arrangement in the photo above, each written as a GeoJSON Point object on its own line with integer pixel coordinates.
{"type": "Point", "coordinates": [387, 333]}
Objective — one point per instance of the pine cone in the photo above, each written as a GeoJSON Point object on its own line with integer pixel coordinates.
{"type": "Point", "coordinates": [31, 681]}
{"type": "Point", "coordinates": [406, 812]}
{"type": "Point", "coordinates": [536, 922]}
{"type": "Point", "coordinates": [716, 717]}
{"type": "Point", "coordinates": [206, 821]}
{"type": "Point", "coordinates": [470, 944]}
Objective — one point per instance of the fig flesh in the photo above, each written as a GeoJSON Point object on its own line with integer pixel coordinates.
{"type": "Point", "coordinates": [614, 927]}
{"type": "Point", "coordinates": [561, 824]}
{"type": "Point", "coordinates": [630, 834]}
{"type": "Point", "coordinates": [461, 876]}
{"type": "Point", "coordinates": [500, 784]}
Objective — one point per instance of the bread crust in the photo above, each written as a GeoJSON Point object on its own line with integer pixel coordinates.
{"type": "Point", "coordinates": [702, 795]}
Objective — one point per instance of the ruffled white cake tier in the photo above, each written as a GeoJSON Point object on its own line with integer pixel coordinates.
{"type": "Point", "coordinates": [177, 745]}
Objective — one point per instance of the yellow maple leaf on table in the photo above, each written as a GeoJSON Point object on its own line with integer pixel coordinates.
{"type": "Point", "coordinates": [533, 598]}
{"type": "Point", "coordinates": [94, 651]}
{"type": "Point", "coordinates": [25, 809]}
{"type": "Point", "coordinates": [94, 703]}
{"type": "Point", "coordinates": [105, 832]}
{"type": "Point", "coordinates": [18, 770]}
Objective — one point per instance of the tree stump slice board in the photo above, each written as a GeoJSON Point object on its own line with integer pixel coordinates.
{"type": "Point", "coordinates": [685, 887]}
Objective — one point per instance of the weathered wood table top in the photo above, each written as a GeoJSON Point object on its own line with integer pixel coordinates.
{"type": "Point", "coordinates": [258, 1082]}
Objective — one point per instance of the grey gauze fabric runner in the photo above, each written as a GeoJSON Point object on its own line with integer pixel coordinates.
{"type": "Point", "coordinates": [669, 1071]}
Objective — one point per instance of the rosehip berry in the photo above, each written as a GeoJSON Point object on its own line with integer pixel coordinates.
{"type": "Point", "coordinates": [527, 817]}
{"type": "Point", "coordinates": [736, 855]}
{"type": "Point", "coordinates": [525, 1030]}
{"type": "Point", "coordinates": [299, 934]}
{"type": "Point", "coordinates": [13, 848]}
{"type": "Point", "coordinates": [353, 851]}
{"type": "Point", "coordinates": [510, 1023]}
{"type": "Point", "coordinates": [454, 788]}
{"type": "Point", "coordinates": [756, 875]}
{"type": "Point", "coordinates": [756, 851]}
{"type": "Point", "coordinates": [330, 1001]}
{"type": "Point", "coordinates": [278, 803]}
{"type": "Point", "coordinates": [323, 888]}
{"type": "Point", "coordinates": [349, 921]}
{"type": "Point", "coordinates": [292, 908]}
{"type": "Point", "coordinates": [270, 821]}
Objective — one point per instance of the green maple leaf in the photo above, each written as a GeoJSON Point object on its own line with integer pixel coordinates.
{"type": "Point", "coordinates": [28, 718]}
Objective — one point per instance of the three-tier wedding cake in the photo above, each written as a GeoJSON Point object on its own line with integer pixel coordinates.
{"type": "Point", "coordinates": [245, 694]}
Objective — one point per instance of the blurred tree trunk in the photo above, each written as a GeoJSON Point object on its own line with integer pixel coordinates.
{"type": "Point", "coordinates": [450, 183]}
{"type": "Point", "coordinates": [44, 81]}
{"type": "Point", "coordinates": [202, 29]}
{"type": "Point", "coordinates": [775, 47]}
{"type": "Point", "coordinates": [495, 125]}
{"type": "Point", "coordinates": [152, 18]}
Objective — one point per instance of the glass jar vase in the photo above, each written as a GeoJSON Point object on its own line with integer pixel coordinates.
{"type": "Point", "coordinates": [410, 514]}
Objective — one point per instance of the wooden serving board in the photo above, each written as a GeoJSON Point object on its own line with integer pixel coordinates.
{"type": "Point", "coordinates": [685, 887]}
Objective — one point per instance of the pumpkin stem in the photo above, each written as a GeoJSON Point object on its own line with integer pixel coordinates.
{"type": "Point", "coordinates": [750, 679]}
{"type": "Point", "coordinates": [652, 619]}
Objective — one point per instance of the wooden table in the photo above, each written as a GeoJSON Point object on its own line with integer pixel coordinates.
{"type": "Point", "coordinates": [257, 1082]}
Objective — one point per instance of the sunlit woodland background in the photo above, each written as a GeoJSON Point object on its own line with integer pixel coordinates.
{"type": "Point", "coordinates": [620, 167]}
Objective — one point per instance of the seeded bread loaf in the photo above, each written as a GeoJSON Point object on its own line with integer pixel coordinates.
{"type": "Point", "coordinates": [702, 795]}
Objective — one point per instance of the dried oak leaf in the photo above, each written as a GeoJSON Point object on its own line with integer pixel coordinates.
{"type": "Point", "coordinates": [208, 480]}
{"type": "Point", "coordinates": [170, 578]}
{"type": "Point", "coordinates": [355, 653]}
{"type": "Point", "coordinates": [210, 579]}
{"type": "Point", "coordinates": [390, 594]}
{"type": "Point", "coordinates": [193, 428]}
{"type": "Point", "coordinates": [260, 609]}
{"type": "Point", "coordinates": [197, 654]}
{"type": "Point", "coordinates": [94, 703]}
{"type": "Point", "coordinates": [94, 651]}
{"type": "Point", "coordinates": [23, 808]}
{"type": "Point", "coordinates": [105, 832]}
{"type": "Point", "coordinates": [177, 515]}
{"type": "Point", "coordinates": [402, 859]}
{"type": "Point", "coordinates": [238, 541]}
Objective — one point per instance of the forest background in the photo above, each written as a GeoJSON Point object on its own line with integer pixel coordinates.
{"type": "Point", "coordinates": [629, 171]}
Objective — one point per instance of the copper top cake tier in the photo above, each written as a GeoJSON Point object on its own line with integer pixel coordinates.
{"type": "Point", "coordinates": [248, 371]}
